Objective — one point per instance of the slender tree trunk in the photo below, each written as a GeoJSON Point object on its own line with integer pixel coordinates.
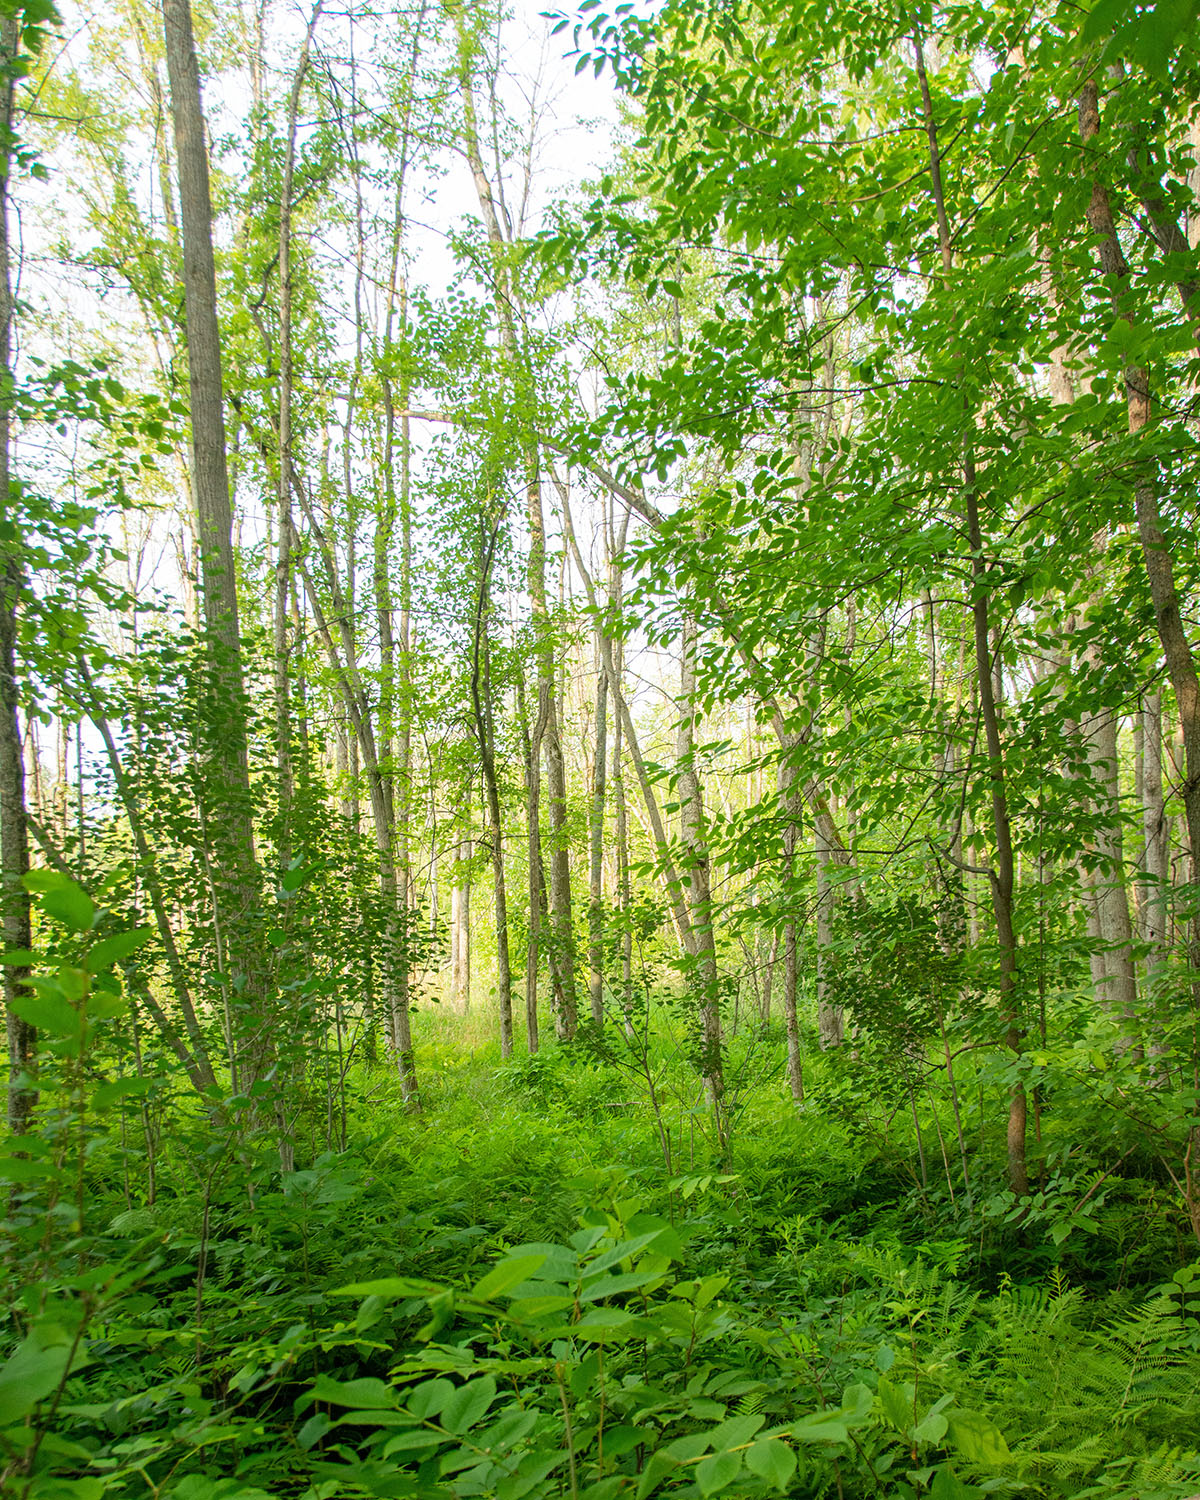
{"type": "Point", "coordinates": [396, 706]}
{"type": "Point", "coordinates": [485, 732]}
{"type": "Point", "coordinates": [507, 301]}
{"type": "Point", "coordinates": [704, 976]}
{"type": "Point", "coordinates": [1118, 991]}
{"type": "Point", "coordinates": [621, 814]}
{"type": "Point", "coordinates": [1002, 876]}
{"type": "Point", "coordinates": [615, 538]}
{"type": "Point", "coordinates": [674, 886]}
{"type": "Point", "coordinates": [1156, 858]}
{"type": "Point", "coordinates": [14, 832]}
{"type": "Point", "coordinates": [197, 1064]}
{"type": "Point", "coordinates": [343, 662]}
{"type": "Point", "coordinates": [460, 929]}
{"type": "Point", "coordinates": [283, 498]}
{"type": "Point", "coordinates": [532, 735]}
{"type": "Point", "coordinates": [1160, 575]}
{"type": "Point", "coordinates": [791, 969]}
{"type": "Point", "coordinates": [562, 949]}
{"type": "Point", "coordinates": [831, 1024]}
{"type": "Point", "coordinates": [226, 770]}
{"type": "Point", "coordinates": [1156, 551]}
{"type": "Point", "coordinates": [596, 844]}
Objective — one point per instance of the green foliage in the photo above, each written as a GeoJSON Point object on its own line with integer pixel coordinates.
{"type": "Point", "coordinates": [484, 1305]}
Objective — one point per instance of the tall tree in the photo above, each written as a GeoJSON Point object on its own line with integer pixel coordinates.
{"type": "Point", "coordinates": [14, 833]}
{"type": "Point", "coordinates": [225, 792]}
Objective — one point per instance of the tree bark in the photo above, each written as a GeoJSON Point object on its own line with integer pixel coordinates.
{"type": "Point", "coordinates": [507, 300]}
{"type": "Point", "coordinates": [460, 929]}
{"type": "Point", "coordinates": [1156, 855]}
{"type": "Point", "coordinates": [596, 844]}
{"type": "Point", "coordinates": [485, 732]}
{"type": "Point", "coordinates": [1114, 930]}
{"type": "Point", "coordinates": [226, 792]}
{"type": "Point", "coordinates": [14, 831]}
{"type": "Point", "coordinates": [532, 735]}
{"type": "Point", "coordinates": [1156, 551]}
{"type": "Point", "coordinates": [283, 496]}
{"type": "Point", "coordinates": [1002, 875]}
{"type": "Point", "coordinates": [791, 968]}
{"type": "Point", "coordinates": [396, 692]}
{"type": "Point", "coordinates": [703, 972]}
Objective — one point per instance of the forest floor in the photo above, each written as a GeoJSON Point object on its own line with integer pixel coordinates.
{"type": "Point", "coordinates": [541, 1286]}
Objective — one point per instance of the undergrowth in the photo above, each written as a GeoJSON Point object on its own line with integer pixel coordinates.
{"type": "Point", "coordinates": [547, 1284]}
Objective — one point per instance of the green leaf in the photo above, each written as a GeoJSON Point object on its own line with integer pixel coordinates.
{"type": "Point", "coordinates": [427, 1399]}
{"type": "Point", "coordinates": [103, 1005]}
{"type": "Point", "coordinates": [657, 1468]}
{"type": "Point", "coordinates": [468, 1404]}
{"type": "Point", "coordinates": [32, 1373]}
{"type": "Point", "coordinates": [120, 1088]}
{"type": "Point", "coordinates": [897, 1403]}
{"type": "Point", "coordinates": [369, 1314]}
{"type": "Point", "coordinates": [541, 1307]}
{"type": "Point", "coordinates": [931, 1428]}
{"type": "Point", "coordinates": [717, 1472]}
{"type": "Point", "coordinates": [688, 1447]}
{"type": "Point", "coordinates": [510, 1272]}
{"type": "Point", "coordinates": [857, 1401]}
{"type": "Point", "coordinates": [21, 1169]}
{"type": "Point", "coordinates": [412, 1441]}
{"type": "Point", "coordinates": [110, 950]}
{"type": "Point", "coordinates": [979, 1440]}
{"type": "Point", "coordinates": [49, 1011]}
{"type": "Point", "coordinates": [1105, 16]}
{"type": "Point", "coordinates": [367, 1392]}
{"type": "Point", "coordinates": [948, 1486]}
{"type": "Point", "coordinates": [771, 1460]}
{"type": "Point", "coordinates": [389, 1287]}
{"type": "Point", "coordinates": [62, 898]}
{"type": "Point", "coordinates": [822, 1427]}
{"type": "Point", "coordinates": [314, 1429]}
{"type": "Point", "coordinates": [613, 1286]}
{"type": "Point", "coordinates": [606, 1322]}
{"type": "Point", "coordinates": [735, 1433]}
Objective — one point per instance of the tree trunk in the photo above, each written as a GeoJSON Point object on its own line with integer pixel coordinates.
{"type": "Point", "coordinates": [1156, 552]}
{"type": "Point", "coordinates": [703, 974]}
{"type": "Point", "coordinates": [596, 845]}
{"type": "Point", "coordinates": [226, 788]}
{"type": "Point", "coordinates": [507, 300]}
{"type": "Point", "coordinates": [1118, 991]}
{"type": "Point", "coordinates": [831, 1024]}
{"type": "Point", "coordinates": [14, 831]}
{"type": "Point", "coordinates": [485, 733]}
{"type": "Point", "coordinates": [1002, 874]}
{"type": "Point", "coordinates": [1156, 857]}
{"type": "Point", "coordinates": [283, 497]}
{"type": "Point", "coordinates": [532, 735]}
{"type": "Point", "coordinates": [396, 695]}
{"type": "Point", "coordinates": [460, 929]}
{"type": "Point", "coordinates": [791, 968]}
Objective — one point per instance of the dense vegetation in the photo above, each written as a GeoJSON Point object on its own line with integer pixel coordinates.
{"type": "Point", "coordinates": [600, 791]}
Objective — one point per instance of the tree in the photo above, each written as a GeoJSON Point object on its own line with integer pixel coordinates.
{"type": "Point", "coordinates": [14, 835]}
{"type": "Point", "coordinates": [226, 794]}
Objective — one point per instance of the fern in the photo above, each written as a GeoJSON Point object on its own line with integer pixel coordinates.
{"type": "Point", "coordinates": [1074, 1401]}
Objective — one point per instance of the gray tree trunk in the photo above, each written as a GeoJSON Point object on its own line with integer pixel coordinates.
{"type": "Point", "coordinates": [705, 979]}
{"type": "Point", "coordinates": [14, 831]}
{"type": "Point", "coordinates": [229, 810]}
